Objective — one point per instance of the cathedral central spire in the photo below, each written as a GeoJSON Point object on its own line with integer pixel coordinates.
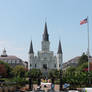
{"type": "Point", "coordinates": [45, 41]}
{"type": "Point", "coordinates": [45, 35]}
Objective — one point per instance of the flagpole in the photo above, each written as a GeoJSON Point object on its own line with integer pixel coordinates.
{"type": "Point", "coordinates": [88, 49]}
{"type": "Point", "coordinates": [88, 42]}
{"type": "Point", "coordinates": [88, 52]}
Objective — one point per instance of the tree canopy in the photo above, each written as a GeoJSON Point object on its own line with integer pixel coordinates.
{"type": "Point", "coordinates": [78, 75]}
{"type": "Point", "coordinates": [83, 59]}
{"type": "Point", "coordinates": [34, 73]}
{"type": "Point", "coordinates": [19, 70]}
{"type": "Point", "coordinates": [5, 69]}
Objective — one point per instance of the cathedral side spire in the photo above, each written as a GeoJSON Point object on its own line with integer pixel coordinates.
{"type": "Point", "coordinates": [59, 48]}
{"type": "Point", "coordinates": [59, 56]}
{"type": "Point", "coordinates": [45, 35]}
{"type": "Point", "coordinates": [31, 48]}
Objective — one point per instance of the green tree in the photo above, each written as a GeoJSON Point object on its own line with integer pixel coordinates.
{"type": "Point", "coordinates": [69, 75]}
{"type": "Point", "coordinates": [71, 69]}
{"type": "Point", "coordinates": [82, 67]}
{"type": "Point", "coordinates": [54, 73]}
{"type": "Point", "coordinates": [83, 59]}
{"type": "Point", "coordinates": [77, 76]}
{"type": "Point", "coordinates": [19, 70]}
{"type": "Point", "coordinates": [7, 69]}
{"type": "Point", "coordinates": [35, 73]}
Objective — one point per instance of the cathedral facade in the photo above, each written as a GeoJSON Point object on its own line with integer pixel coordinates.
{"type": "Point", "coordinates": [45, 59]}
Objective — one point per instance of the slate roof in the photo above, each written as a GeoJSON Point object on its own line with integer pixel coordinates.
{"type": "Point", "coordinates": [9, 58]}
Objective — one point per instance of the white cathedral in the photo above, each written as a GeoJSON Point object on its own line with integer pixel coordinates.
{"type": "Point", "coordinates": [45, 59]}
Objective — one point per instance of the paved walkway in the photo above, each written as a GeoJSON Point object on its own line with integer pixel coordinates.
{"type": "Point", "coordinates": [43, 88]}
{"type": "Point", "coordinates": [46, 88]}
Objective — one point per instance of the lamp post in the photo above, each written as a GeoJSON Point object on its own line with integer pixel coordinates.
{"type": "Point", "coordinates": [61, 82]}
{"type": "Point", "coordinates": [30, 83]}
{"type": "Point", "coordinates": [52, 85]}
{"type": "Point", "coordinates": [39, 80]}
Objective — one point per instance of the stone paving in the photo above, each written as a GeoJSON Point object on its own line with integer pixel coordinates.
{"type": "Point", "coordinates": [42, 88]}
{"type": "Point", "coordinates": [35, 89]}
{"type": "Point", "coordinates": [46, 89]}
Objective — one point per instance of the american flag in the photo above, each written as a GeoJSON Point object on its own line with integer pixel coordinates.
{"type": "Point", "coordinates": [83, 21]}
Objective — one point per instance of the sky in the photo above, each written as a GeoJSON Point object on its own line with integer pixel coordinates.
{"type": "Point", "coordinates": [23, 20]}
